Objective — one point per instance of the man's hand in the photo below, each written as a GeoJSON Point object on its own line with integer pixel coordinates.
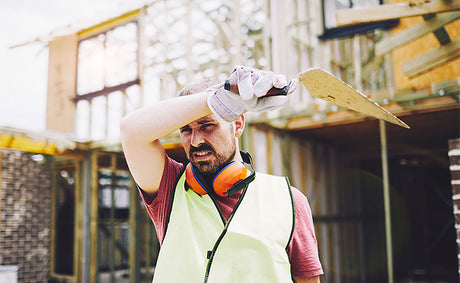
{"type": "Point", "coordinates": [254, 87]}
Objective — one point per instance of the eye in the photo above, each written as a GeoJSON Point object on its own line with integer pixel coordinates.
{"type": "Point", "coordinates": [185, 130]}
{"type": "Point", "coordinates": [207, 126]}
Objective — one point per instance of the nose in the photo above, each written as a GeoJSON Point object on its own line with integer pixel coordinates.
{"type": "Point", "coordinates": [196, 138]}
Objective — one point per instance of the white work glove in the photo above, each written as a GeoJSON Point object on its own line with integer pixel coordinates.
{"type": "Point", "coordinates": [253, 88]}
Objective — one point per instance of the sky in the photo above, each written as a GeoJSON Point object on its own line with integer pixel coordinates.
{"type": "Point", "coordinates": [23, 69]}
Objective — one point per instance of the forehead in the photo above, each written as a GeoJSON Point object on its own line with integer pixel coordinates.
{"type": "Point", "coordinates": [206, 119]}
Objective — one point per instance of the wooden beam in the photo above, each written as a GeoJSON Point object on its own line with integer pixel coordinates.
{"type": "Point", "coordinates": [432, 59]}
{"type": "Point", "coordinates": [373, 64]}
{"type": "Point", "coordinates": [441, 34]}
{"type": "Point", "coordinates": [134, 231]}
{"type": "Point", "coordinates": [408, 35]}
{"type": "Point", "coordinates": [105, 91]}
{"type": "Point", "coordinates": [94, 220]}
{"type": "Point", "coordinates": [78, 218]}
{"type": "Point", "coordinates": [109, 24]}
{"type": "Point", "coordinates": [62, 74]}
{"type": "Point", "coordinates": [394, 11]}
{"type": "Point", "coordinates": [24, 143]}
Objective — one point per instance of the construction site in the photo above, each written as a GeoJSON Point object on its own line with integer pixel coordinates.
{"type": "Point", "coordinates": [385, 199]}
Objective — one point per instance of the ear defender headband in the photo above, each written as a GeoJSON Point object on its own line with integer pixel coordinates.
{"type": "Point", "coordinates": [231, 179]}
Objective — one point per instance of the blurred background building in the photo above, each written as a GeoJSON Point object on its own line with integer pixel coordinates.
{"type": "Point", "coordinates": [385, 200]}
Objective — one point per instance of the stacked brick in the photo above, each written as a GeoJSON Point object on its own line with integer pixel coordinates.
{"type": "Point", "coordinates": [25, 214]}
{"type": "Point", "coordinates": [454, 155]}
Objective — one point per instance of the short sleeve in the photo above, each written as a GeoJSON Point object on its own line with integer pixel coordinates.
{"type": "Point", "coordinates": [158, 207]}
{"type": "Point", "coordinates": [303, 248]}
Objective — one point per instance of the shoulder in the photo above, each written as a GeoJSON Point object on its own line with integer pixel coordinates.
{"type": "Point", "coordinates": [303, 248]}
{"type": "Point", "coordinates": [272, 184]}
{"type": "Point", "coordinates": [272, 178]}
{"type": "Point", "coordinates": [302, 206]}
{"type": "Point", "coordinates": [298, 196]}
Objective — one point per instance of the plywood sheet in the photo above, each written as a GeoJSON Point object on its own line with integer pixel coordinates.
{"type": "Point", "coordinates": [447, 72]}
{"type": "Point", "coordinates": [62, 74]}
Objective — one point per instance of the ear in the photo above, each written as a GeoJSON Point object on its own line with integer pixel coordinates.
{"type": "Point", "coordinates": [239, 126]}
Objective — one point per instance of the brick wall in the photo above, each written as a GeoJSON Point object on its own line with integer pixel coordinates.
{"type": "Point", "coordinates": [454, 155]}
{"type": "Point", "coordinates": [25, 214]}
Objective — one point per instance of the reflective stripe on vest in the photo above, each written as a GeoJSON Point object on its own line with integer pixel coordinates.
{"type": "Point", "coordinates": [251, 247]}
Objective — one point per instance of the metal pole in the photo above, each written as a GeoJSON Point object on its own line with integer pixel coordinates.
{"type": "Point", "coordinates": [386, 200]}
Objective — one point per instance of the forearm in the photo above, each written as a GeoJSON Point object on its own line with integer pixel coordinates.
{"type": "Point", "coordinates": [154, 122]}
{"type": "Point", "coordinates": [141, 130]}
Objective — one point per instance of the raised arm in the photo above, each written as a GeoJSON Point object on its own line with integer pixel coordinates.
{"type": "Point", "coordinates": [142, 129]}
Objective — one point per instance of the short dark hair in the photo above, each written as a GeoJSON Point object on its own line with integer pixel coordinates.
{"type": "Point", "coordinates": [197, 86]}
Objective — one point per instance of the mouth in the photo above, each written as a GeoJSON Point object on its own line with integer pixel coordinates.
{"type": "Point", "coordinates": [202, 155]}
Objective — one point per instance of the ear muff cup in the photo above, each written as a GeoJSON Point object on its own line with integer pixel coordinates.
{"type": "Point", "coordinates": [222, 183]}
{"type": "Point", "coordinates": [228, 177]}
{"type": "Point", "coordinates": [193, 182]}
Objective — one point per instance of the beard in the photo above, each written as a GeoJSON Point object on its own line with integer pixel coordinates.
{"type": "Point", "coordinates": [211, 167]}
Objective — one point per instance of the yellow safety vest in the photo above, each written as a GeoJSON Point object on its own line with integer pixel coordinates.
{"type": "Point", "coordinates": [200, 246]}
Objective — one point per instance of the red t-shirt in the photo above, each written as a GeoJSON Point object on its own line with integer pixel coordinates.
{"type": "Point", "coordinates": [302, 250]}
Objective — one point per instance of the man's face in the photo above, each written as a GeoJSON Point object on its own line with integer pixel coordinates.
{"type": "Point", "coordinates": [210, 143]}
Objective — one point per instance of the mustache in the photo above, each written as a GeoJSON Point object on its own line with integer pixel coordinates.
{"type": "Point", "coordinates": [203, 146]}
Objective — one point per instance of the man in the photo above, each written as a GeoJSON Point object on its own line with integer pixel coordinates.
{"type": "Point", "coordinates": [217, 220]}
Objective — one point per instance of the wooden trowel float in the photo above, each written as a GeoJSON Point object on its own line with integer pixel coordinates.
{"type": "Point", "coordinates": [323, 85]}
{"type": "Point", "coordinates": [328, 87]}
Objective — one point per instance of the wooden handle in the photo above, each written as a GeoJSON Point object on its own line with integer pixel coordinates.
{"type": "Point", "coordinates": [271, 92]}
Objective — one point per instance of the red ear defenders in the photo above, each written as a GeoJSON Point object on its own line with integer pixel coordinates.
{"type": "Point", "coordinates": [228, 181]}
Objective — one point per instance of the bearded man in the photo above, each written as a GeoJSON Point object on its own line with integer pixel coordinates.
{"type": "Point", "coordinates": [217, 219]}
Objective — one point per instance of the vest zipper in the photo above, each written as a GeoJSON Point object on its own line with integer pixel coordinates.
{"type": "Point", "coordinates": [216, 245]}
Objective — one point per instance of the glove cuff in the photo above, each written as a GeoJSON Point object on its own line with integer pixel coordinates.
{"type": "Point", "coordinates": [226, 105]}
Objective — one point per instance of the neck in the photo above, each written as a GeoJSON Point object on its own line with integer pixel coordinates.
{"type": "Point", "coordinates": [237, 156]}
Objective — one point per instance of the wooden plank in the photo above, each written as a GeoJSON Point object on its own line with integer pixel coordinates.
{"type": "Point", "coordinates": [111, 237]}
{"type": "Point", "coordinates": [441, 34]}
{"type": "Point", "coordinates": [394, 11]}
{"type": "Point", "coordinates": [408, 35]}
{"type": "Point", "coordinates": [432, 59]}
{"type": "Point", "coordinates": [109, 24]}
{"type": "Point", "coordinates": [134, 239]}
{"type": "Point", "coordinates": [78, 218]}
{"type": "Point", "coordinates": [62, 73]}
{"type": "Point", "coordinates": [94, 221]}
{"type": "Point", "coordinates": [372, 65]}
{"type": "Point", "coordinates": [357, 67]}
